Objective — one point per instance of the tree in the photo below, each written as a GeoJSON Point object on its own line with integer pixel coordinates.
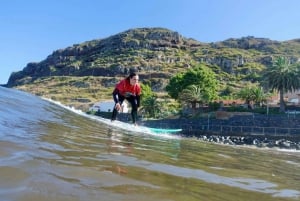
{"type": "Point", "coordinates": [283, 77]}
{"type": "Point", "coordinates": [176, 85]}
{"type": "Point", "coordinates": [200, 76]}
{"type": "Point", "coordinates": [247, 95]}
{"type": "Point", "coordinates": [149, 102]}
{"type": "Point", "coordinates": [192, 94]}
{"type": "Point", "coordinates": [259, 96]}
{"type": "Point", "coordinates": [252, 94]}
{"type": "Point", "coordinates": [146, 92]}
{"type": "Point", "coordinates": [151, 106]}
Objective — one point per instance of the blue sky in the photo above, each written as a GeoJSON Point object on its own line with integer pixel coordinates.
{"type": "Point", "coordinates": [32, 29]}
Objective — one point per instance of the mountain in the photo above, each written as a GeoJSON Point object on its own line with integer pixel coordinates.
{"type": "Point", "coordinates": [145, 49]}
{"type": "Point", "coordinates": [88, 71]}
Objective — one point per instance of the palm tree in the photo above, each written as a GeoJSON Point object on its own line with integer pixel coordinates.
{"type": "Point", "coordinates": [192, 94]}
{"type": "Point", "coordinates": [283, 77]}
{"type": "Point", "coordinates": [246, 94]}
{"type": "Point", "coordinates": [259, 96]}
{"type": "Point", "coordinates": [151, 106]}
{"type": "Point", "coordinates": [252, 94]}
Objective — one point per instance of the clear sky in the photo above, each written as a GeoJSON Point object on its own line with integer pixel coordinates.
{"type": "Point", "coordinates": [32, 29]}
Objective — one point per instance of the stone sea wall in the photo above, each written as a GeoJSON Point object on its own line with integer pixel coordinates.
{"type": "Point", "coordinates": [282, 131]}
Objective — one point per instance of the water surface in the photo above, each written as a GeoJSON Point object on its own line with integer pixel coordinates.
{"type": "Point", "coordinates": [50, 153]}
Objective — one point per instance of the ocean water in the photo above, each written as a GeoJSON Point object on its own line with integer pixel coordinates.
{"type": "Point", "coordinates": [54, 153]}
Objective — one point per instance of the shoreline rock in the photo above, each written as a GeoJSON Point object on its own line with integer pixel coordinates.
{"type": "Point", "coordinates": [257, 141]}
{"type": "Point", "coordinates": [212, 130]}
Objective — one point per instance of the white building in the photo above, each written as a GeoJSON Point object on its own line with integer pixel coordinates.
{"type": "Point", "coordinates": [292, 97]}
{"type": "Point", "coordinates": [107, 106]}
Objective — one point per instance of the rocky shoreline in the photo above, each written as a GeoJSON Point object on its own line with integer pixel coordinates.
{"type": "Point", "coordinates": [199, 130]}
{"type": "Point", "coordinates": [255, 130]}
{"type": "Point", "coordinates": [290, 143]}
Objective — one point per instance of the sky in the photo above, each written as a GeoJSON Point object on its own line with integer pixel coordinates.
{"type": "Point", "coordinates": [32, 29]}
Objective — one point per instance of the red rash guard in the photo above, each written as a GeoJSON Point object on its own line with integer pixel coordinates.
{"type": "Point", "coordinates": [124, 87]}
{"type": "Point", "coordinates": [124, 90]}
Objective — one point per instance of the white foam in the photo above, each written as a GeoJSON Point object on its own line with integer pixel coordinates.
{"type": "Point", "coordinates": [116, 124]}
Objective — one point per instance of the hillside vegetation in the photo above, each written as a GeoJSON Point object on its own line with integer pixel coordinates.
{"type": "Point", "coordinates": [85, 73]}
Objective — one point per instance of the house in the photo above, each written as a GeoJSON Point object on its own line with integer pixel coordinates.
{"type": "Point", "coordinates": [107, 106]}
{"type": "Point", "coordinates": [292, 97]}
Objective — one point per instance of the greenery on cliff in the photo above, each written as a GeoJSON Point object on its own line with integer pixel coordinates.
{"type": "Point", "coordinates": [85, 73]}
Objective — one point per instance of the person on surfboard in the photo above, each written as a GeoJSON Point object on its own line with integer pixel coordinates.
{"type": "Point", "coordinates": [129, 89]}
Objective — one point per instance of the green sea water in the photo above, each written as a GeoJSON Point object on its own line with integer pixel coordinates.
{"type": "Point", "coordinates": [53, 154]}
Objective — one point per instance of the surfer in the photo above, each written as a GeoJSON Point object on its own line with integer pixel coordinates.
{"type": "Point", "coordinates": [129, 89]}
